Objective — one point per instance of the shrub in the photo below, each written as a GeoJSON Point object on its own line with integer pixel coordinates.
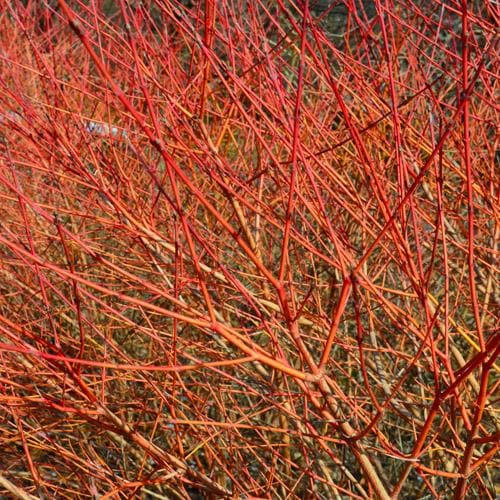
{"type": "Point", "coordinates": [248, 249]}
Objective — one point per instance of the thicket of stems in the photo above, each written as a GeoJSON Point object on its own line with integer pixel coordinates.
{"type": "Point", "coordinates": [248, 249]}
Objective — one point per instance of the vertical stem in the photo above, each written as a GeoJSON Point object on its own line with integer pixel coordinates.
{"type": "Point", "coordinates": [481, 398]}
{"type": "Point", "coordinates": [284, 261]}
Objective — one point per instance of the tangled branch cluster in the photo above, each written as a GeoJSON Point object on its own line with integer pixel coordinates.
{"type": "Point", "coordinates": [248, 249]}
